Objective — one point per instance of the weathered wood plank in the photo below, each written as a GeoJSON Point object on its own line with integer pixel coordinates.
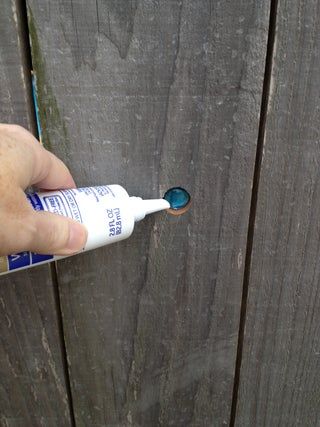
{"type": "Point", "coordinates": [153, 94]}
{"type": "Point", "coordinates": [280, 380]}
{"type": "Point", "coordinates": [32, 391]}
{"type": "Point", "coordinates": [15, 100]}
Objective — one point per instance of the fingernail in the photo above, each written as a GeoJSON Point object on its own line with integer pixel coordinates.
{"type": "Point", "coordinates": [77, 237]}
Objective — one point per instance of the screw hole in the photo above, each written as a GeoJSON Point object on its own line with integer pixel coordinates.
{"type": "Point", "coordinates": [179, 199]}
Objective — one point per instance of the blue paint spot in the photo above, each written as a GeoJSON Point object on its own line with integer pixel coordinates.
{"type": "Point", "coordinates": [36, 104]}
{"type": "Point", "coordinates": [177, 197]}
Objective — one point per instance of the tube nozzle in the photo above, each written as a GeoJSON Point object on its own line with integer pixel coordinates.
{"type": "Point", "coordinates": [141, 207]}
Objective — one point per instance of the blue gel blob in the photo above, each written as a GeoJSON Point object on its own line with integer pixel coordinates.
{"type": "Point", "coordinates": [177, 197]}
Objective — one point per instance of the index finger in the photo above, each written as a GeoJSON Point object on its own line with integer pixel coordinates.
{"type": "Point", "coordinates": [32, 164]}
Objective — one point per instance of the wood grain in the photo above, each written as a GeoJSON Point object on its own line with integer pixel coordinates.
{"type": "Point", "coordinates": [279, 383]}
{"type": "Point", "coordinates": [32, 391]}
{"type": "Point", "coordinates": [152, 94]}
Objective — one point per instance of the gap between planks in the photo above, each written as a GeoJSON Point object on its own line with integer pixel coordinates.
{"type": "Point", "coordinates": [254, 201]}
{"type": "Point", "coordinates": [22, 16]}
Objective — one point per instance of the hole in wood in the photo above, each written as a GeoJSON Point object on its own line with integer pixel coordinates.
{"type": "Point", "coordinates": [179, 199]}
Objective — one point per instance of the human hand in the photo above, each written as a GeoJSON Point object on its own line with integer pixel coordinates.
{"type": "Point", "coordinates": [24, 162]}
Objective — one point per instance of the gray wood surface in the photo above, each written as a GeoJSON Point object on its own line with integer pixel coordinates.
{"type": "Point", "coordinates": [280, 382]}
{"type": "Point", "coordinates": [32, 390]}
{"type": "Point", "coordinates": [152, 94]}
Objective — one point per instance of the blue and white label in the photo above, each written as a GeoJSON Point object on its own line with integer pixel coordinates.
{"type": "Point", "coordinates": [19, 260]}
{"type": "Point", "coordinates": [35, 201]}
{"type": "Point", "coordinates": [99, 208]}
{"type": "Point", "coordinates": [72, 205]}
{"type": "Point", "coordinates": [36, 258]}
{"type": "Point", "coordinates": [55, 204]}
{"type": "Point", "coordinates": [24, 259]}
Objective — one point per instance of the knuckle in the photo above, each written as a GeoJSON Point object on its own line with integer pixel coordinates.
{"type": "Point", "coordinates": [15, 207]}
{"type": "Point", "coordinates": [11, 128]}
{"type": "Point", "coordinates": [16, 128]}
{"type": "Point", "coordinates": [14, 133]}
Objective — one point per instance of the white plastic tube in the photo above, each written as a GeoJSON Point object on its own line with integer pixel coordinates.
{"type": "Point", "coordinates": [107, 212]}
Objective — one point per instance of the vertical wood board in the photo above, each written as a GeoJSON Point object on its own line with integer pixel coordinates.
{"type": "Point", "coordinates": [153, 94]}
{"type": "Point", "coordinates": [279, 383]}
{"type": "Point", "coordinates": [32, 391]}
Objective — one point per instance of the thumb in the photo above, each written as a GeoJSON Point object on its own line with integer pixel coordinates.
{"type": "Point", "coordinates": [55, 234]}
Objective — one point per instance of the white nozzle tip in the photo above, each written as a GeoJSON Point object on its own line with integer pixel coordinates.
{"type": "Point", "coordinates": [155, 205]}
{"type": "Point", "coordinates": [142, 207]}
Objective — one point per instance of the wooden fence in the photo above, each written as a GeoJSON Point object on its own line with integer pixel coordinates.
{"type": "Point", "coordinates": [208, 319]}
